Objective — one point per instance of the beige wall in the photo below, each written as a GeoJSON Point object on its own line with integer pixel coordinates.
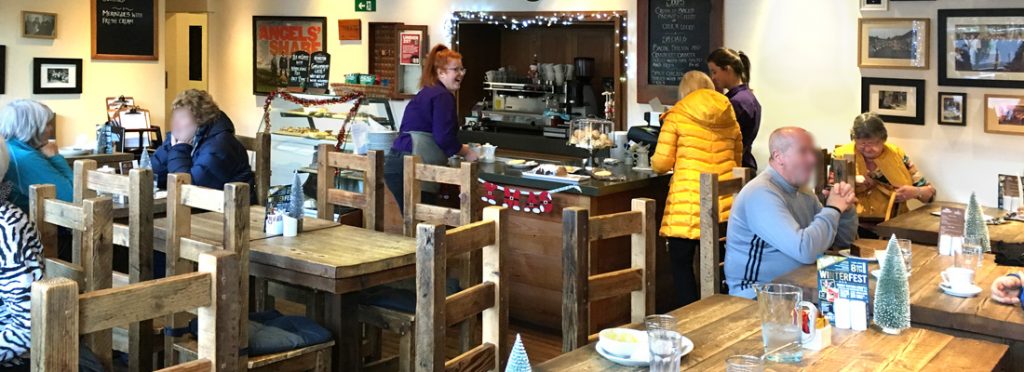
{"type": "Point", "coordinates": [77, 114]}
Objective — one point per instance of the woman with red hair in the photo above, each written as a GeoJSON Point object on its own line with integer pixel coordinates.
{"type": "Point", "coordinates": [430, 126]}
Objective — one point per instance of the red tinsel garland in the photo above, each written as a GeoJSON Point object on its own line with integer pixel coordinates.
{"type": "Point", "coordinates": [305, 102]}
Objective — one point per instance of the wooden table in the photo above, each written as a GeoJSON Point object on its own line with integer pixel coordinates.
{"type": "Point", "coordinates": [120, 210]}
{"type": "Point", "coordinates": [337, 262]}
{"type": "Point", "coordinates": [210, 226]}
{"type": "Point", "coordinates": [112, 160]}
{"type": "Point", "coordinates": [721, 326]}
{"type": "Point", "coordinates": [922, 227]}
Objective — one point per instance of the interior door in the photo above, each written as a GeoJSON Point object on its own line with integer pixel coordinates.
{"type": "Point", "coordinates": [186, 53]}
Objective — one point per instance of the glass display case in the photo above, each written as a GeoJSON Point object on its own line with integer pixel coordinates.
{"type": "Point", "coordinates": [591, 135]}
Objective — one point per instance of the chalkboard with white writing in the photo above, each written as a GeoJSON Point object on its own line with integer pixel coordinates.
{"type": "Point", "coordinates": [319, 72]}
{"type": "Point", "coordinates": [124, 29]}
{"type": "Point", "coordinates": [676, 37]}
{"type": "Point", "coordinates": [298, 71]}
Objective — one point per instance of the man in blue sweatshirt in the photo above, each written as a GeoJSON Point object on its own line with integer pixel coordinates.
{"type": "Point", "coordinates": [777, 224]}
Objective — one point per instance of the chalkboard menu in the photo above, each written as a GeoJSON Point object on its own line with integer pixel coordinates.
{"type": "Point", "coordinates": [124, 29]}
{"type": "Point", "coordinates": [319, 72]}
{"type": "Point", "coordinates": [298, 71]}
{"type": "Point", "coordinates": [676, 36]}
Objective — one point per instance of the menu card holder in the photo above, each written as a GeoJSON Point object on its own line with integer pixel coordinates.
{"type": "Point", "coordinates": [951, 230]}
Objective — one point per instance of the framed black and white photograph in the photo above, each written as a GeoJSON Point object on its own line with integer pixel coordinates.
{"type": "Point", "coordinates": [952, 108]}
{"type": "Point", "coordinates": [895, 100]}
{"type": "Point", "coordinates": [38, 25]}
{"type": "Point", "coordinates": [981, 47]}
{"type": "Point", "coordinates": [874, 5]}
{"type": "Point", "coordinates": [56, 76]}
{"type": "Point", "coordinates": [893, 43]}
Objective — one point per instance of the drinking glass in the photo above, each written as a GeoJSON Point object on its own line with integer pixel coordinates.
{"type": "Point", "coordinates": [905, 248]}
{"type": "Point", "coordinates": [666, 350]}
{"type": "Point", "coordinates": [744, 363]}
{"type": "Point", "coordinates": [780, 305]}
{"type": "Point", "coordinates": [970, 254]}
{"type": "Point", "coordinates": [659, 321]}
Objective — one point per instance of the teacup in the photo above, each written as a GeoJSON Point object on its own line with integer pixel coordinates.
{"type": "Point", "coordinates": [957, 277]}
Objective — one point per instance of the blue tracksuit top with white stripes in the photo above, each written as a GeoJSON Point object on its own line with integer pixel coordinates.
{"type": "Point", "coordinates": [775, 227]}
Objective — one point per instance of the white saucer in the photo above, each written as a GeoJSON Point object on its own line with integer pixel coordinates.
{"type": "Point", "coordinates": [846, 253]}
{"type": "Point", "coordinates": [878, 273]}
{"type": "Point", "coordinates": [966, 291]}
{"type": "Point", "coordinates": [641, 356]}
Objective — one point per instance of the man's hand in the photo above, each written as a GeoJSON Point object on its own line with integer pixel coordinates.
{"type": "Point", "coordinates": [49, 149]}
{"type": "Point", "coordinates": [1006, 289]}
{"type": "Point", "coordinates": [907, 192]}
{"type": "Point", "coordinates": [841, 197]}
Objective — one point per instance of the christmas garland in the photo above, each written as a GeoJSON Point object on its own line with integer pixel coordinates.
{"type": "Point", "coordinates": [307, 102]}
{"type": "Point", "coordinates": [536, 201]}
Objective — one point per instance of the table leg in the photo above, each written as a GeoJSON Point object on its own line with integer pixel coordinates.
{"type": "Point", "coordinates": [340, 318]}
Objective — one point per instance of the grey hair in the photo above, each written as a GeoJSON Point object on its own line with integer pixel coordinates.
{"type": "Point", "coordinates": [782, 139]}
{"type": "Point", "coordinates": [25, 120]}
{"type": "Point", "coordinates": [869, 126]}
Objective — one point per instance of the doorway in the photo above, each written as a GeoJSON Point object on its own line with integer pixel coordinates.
{"type": "Point", "coordinates": [186, 51]}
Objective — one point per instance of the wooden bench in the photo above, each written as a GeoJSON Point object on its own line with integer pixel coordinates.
{"type": "Point", "coordinates": [712, 189]}
{"type": "Point", "coordinates": [60, 314]}
{"type": "Point", "coordinates": [580, 286]}
{"type": "Point", "coordinates": [435, 311]}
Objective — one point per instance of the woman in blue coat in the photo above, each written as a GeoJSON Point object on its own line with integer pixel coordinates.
{"type": "Point", "coordinates": [202, 143]}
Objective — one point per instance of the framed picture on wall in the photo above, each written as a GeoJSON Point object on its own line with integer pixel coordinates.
{"type": "Point", "coordinates": [1004, 114]}
{"type": "Point", "coordinates": [38, 25]}
{"type": "Point", "coordinates": [274, 40]}
{"type": "Point", "coordinates": [895, 100]}
{"type": "Point", "coordinates": [56, 76]}
{"type": "Point", "coordinates": [874, 5]}
{"type": "Point", "coordinates": [893, 42]}
{"type": "Point", "coordinates": [981, 47]}
{"type": "Point", "coordinates": [952, 108]}
{"type": "Point", "coordinates": [3, 69]}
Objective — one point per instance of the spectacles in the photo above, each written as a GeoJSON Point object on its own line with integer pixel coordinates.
{"type": "Point", "coordinates": [461, 70]}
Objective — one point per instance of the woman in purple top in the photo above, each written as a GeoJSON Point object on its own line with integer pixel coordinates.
{"type": "Point", "coordinates": [730, 70]}
{"type": "Point", "coordinates": [430, 114]}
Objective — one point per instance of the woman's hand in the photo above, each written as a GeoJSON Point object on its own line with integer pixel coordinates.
{"type": "Point", "coordinates": [868, 184]}
{"type": "Point", "coordinates": [1006, 289]}
{"type": "Point", "coordinates": [182, 135]}
{"type": "Point", "coordinates": [50, 149]}
{"type": "Point", "coordinates": [468, 154]}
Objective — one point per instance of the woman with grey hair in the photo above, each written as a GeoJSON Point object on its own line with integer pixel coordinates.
{"type": "Point", "coordinates": [887, 171]}
{"type": "Point", "coordinates": [28, 125]}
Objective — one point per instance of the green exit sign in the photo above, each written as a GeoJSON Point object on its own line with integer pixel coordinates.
{"type": "Point", "coordinates": [366, 5]}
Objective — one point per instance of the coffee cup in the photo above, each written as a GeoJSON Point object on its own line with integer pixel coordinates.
{"type": "Point", "coordinates": [957, 277]}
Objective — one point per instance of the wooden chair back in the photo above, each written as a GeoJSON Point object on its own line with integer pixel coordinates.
{"type": "Point", "coordinates": [416, 173]}
{"type": "Point", "coordinates": [137, 235]}
{"type": "Point", "coordinates": [712, 189]}
{"type": "Point", "coordinates": [821, 173]}
{"type": "Point", "coordinates": [370, 201]}
{"type": "Point", "coordinates": [60, 314]}
{"type": "Point", "coordinates": [845, 169]}
{"type": "Point", "coordinates": [435, 312]}
{"type": "Point", "coordinates": [259, 145]}
{"type": "Point", "coordinates": [580, 286]}
{"type": "Point", "coordinates": [182, 249]}
{"type": "Point", "coordinates": [91, 262]}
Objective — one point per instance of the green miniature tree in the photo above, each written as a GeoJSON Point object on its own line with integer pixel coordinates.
{"type": "Point", "coordinates": [974, 224]}
{"type": "Point", "coordinates": [892, 294]}
{"type": "Point", "coordinates": [518, 361]}
{"type": "Point", "coordinates": [297, 198]}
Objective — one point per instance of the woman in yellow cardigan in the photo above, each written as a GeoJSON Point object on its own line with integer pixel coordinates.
{"type": "Point", "coordinates": [700, 135]}
{"type": "Point", "coordinates": [885, 168]}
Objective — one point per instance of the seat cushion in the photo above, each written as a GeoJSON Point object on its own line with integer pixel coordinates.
{"type": "Point", "coordinates": [271, 332]}
{"type": "Point", "coordinates": [398, 299]}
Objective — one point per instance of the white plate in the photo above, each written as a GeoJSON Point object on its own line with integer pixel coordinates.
{"type": "Point", "coordinates": [988, 219]}
{"type": "Point", "coordinates": [528, 164]}
{"type": "Point", "coordinates": [642, 355]}
{"type": "Point", "coordinates": [970, 291]}
{"type": "Point", "coordinates": [846, 253]}
{"type": "Point", "coordinates": [71, 151]}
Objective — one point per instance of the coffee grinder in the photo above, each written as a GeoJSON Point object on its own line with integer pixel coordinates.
{"type": "Point", "coordinates": [582, 102]}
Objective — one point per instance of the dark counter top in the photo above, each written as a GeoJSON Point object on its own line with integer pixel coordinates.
{"type": "Point", "coordinates": [501, 174]}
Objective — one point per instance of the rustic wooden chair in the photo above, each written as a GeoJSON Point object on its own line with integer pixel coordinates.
{"type": "Point", "coordinates": [137, 236]}
{"type": "Point", "coordinates": [233, 203]}
{"type": "Point", "coordinates": [259, 145]}
{"type": "Point", "coordinates": [580, 287]}
{"type": "Point", "coordinates": [60, 314]}
{"type": "Point", "coordinates": [435, 311]}
{"type": "Point", "coordinates": [821, 173]}
{"type": "Point", "coordinates": [92, 258]}
{"type": "Point", "coordinates": [712, 189]}
{"type": "Point", "coordinates": [370, 201]}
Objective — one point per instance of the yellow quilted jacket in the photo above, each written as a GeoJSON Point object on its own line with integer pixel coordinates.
{"type": "Point", "coordinates": [700, 135]}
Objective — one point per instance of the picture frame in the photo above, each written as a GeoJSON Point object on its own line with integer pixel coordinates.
{"type": "Point", "coordinates": [3, 69]}
{"type": "Point", "coordinates": [893, 43]}
{"type": "Point", "coordinates": [274, 39]}
{"type": "Point", "coordinates": [125, 30]}
{"type": "Point", "coordinates": [966, 57]}
{"type": "Point", "coordinates": [874, 5]}
{"type": "Point", "coordinates": [1004, 114]}
{"type": "Point", "coordinates": [894, 100]}
{"type": "Point", "coordinates": [952, 108]}
{"type": "Point", "coordinates": [38, 25]}
{"type": "Point", "coordinates": [56, 76]}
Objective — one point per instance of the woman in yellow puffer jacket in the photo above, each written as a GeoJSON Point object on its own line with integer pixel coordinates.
{"type": "Point", "coordinates": [700, 134]}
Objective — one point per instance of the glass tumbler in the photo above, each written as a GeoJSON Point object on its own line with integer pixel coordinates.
{"type": "Point", "coordinates": [905, 248]}
{"type": "Point", "coordinates": [666, 350]}
{"type": "Point", "coordinates": [970, 254]}
{"type": "Point", "coordinates": [744, 363]}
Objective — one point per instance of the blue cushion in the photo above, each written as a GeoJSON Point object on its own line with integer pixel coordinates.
{"type": "Point", "coordinates": [402, 300]}
{"type": "Point", "coordinates": [271, 332]}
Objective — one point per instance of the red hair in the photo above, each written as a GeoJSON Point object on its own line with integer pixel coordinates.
{"type": "Point", "coordinates": [437, 59]}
